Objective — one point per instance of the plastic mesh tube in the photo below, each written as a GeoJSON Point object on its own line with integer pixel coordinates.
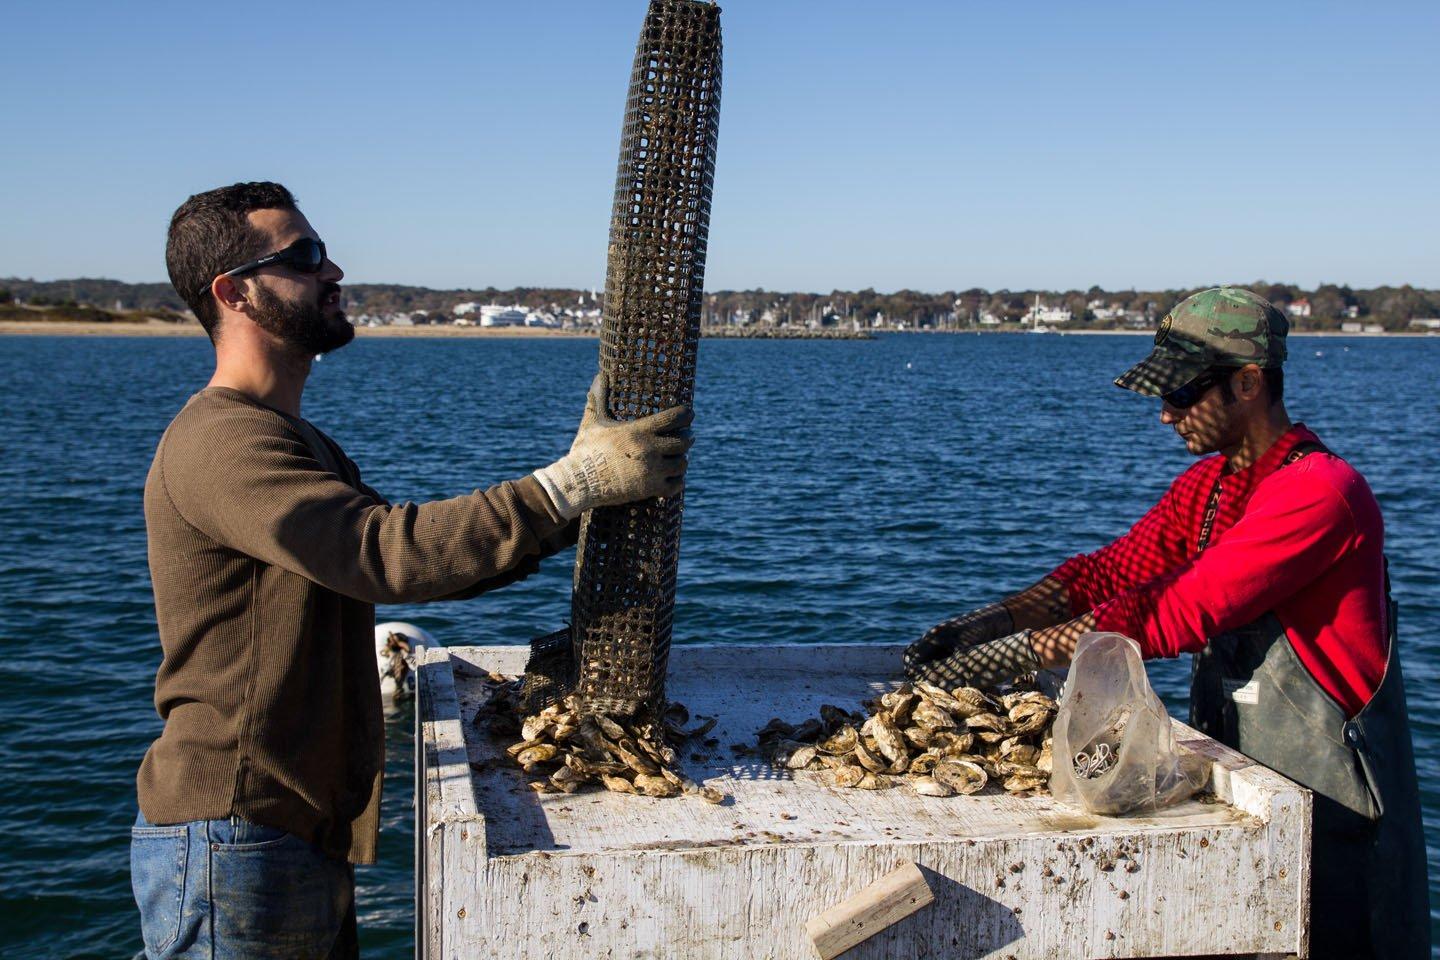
{"type": "Point", "coordinates": [624, 597]}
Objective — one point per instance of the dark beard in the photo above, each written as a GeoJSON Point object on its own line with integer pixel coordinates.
{"type": "Point", "coordinates": [303, 326]}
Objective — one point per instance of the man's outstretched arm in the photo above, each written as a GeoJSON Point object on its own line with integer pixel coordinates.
{"type": "Point", "coordinates": [1153, 545]}
{"type": "Point", "coordinates": [249, 481]}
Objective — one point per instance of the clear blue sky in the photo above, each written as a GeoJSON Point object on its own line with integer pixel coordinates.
{"type": "Point", "coordinates": [932, 145]}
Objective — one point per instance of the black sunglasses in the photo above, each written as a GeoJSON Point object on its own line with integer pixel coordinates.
{"type": "Point", "coordinates": [1185, 397]}
{"type": "Point", "coordinates": [303, 256]}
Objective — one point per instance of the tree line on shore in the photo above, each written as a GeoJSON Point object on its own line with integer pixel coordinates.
{"type": "Point", "coordinates": [1325, 307]}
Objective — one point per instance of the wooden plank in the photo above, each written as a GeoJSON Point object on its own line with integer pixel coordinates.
{"type": "Point", "coordinates": [887, 901]}
{"type": "Point", "coordinates": [450, 833]}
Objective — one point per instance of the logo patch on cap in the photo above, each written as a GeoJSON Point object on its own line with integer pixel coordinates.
{"type": "Point", "coordinates": [1164, 330]}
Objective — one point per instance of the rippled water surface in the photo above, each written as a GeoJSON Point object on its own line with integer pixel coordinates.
{"type": "Point", "coordinates": [839, 491]}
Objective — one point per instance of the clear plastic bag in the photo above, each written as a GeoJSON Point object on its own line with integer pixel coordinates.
{"type": "Point", "coordinates": [1114, 749]}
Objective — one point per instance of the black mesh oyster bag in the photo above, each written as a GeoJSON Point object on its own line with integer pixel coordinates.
{"type": "Point", "coordinates": [622, 608]}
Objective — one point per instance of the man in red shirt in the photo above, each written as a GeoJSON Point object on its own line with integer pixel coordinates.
{"type": "Point", "coordinates": [1266, 562]}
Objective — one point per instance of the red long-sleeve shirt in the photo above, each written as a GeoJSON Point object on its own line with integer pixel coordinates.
{"type": "Point", "coordinates": [1304, 541]}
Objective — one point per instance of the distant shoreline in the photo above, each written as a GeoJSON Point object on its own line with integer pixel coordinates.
{"type": "Point", "coordinates": [162, 329]}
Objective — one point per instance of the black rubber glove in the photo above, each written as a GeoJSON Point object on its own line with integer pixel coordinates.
{"type": "Point", "coordinates": [978, 626]}
{"type": "Point", "coordinates": [986, 665]}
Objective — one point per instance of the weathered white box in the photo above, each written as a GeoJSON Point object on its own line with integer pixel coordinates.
{"type": "Point", "coordinates": [504, 872]}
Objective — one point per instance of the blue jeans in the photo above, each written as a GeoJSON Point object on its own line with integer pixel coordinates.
{"type": "Point", "coordinates": [231, 889]}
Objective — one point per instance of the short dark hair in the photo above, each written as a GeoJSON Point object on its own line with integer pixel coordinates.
{"type": "Point", "coordinates": [1274, 384]}
{"type": "Point", "coordinates": [210, 234]}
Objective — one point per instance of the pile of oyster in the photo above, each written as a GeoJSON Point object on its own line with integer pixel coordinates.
{"type": "Point", "coordinates": [941, 743]}
{"type": "Point", "coordinates": [568, 749]}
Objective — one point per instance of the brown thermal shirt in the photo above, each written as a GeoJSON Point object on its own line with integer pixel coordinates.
{"type": "Point", "coordinates": [267, 555]}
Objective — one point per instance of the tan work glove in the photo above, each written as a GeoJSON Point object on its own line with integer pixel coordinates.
{"type": "Point", "coordinates": [613, 461]}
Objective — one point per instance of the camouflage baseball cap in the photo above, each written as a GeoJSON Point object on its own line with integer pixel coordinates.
{"type": "Point", "coordinates": [1219, 327]}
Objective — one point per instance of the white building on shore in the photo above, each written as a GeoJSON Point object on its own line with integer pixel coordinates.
{"type": "Point", "coordinates": [497, 316]}
{"type": "Point", "coordinates": [1041, 315]}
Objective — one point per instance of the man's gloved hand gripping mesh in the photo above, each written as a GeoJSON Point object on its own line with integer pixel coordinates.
{"type": "Point", "coordinates": [613, 461]}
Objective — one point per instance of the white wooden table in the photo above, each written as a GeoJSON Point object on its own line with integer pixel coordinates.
{"type": "Point", "coordinates": [502, 871]}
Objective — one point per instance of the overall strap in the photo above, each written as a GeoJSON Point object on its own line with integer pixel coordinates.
{"type": "Point", "coordinates": [1212, 506]}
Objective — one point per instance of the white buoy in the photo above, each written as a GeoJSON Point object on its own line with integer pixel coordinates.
{"type": "Point", "coordinates": [398, 646]}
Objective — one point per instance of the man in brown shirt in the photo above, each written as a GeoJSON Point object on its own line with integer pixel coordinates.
{"type": "Point", "coordinates": [267, 555]}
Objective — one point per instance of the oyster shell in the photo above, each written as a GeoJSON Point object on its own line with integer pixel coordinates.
{"type": "Point", "coordinates": [973, 701]}
{"type": "Point", "coordinates": [988, 721]}
{"type": "Point", "coordinates": [868, 759]}
{"type": "Point", "coordinates": [809, 731]}
{"type": "Point", "coordinates": [917, 737]}
{"type": "Point", "coordinates": [1009, 768]}
{"type": "Point", "coordinates": [699, 730]}
{"type": "Point", "coordinates": [930, 787]}
{"type": "Point", "coordinates": [708, 794]}
{"type": "Point", "coordinates": [928, 715]}
{"type": "Point", "coordinates": [626, 751]}
{"type": "Point", "coordinates": [1020, 782]}
{"type": "Point", "coordinates": [617, 784]}
{"type": "Point", "coordinates": [940, 698]}
{"type": "Point", "coordinates": [610, 728]}
{"type": "Point", "coordinates": [536, 727]}
{"type": "Point", "coordinates": [962, 776]}
{"type": "Point", "coordinates": [532, 757]}
{"type": "Point", "coordinates": [1011, 700]}
{"type": "Point", "coordinates": [887, 737]}
{"type": "Point", "coordinates": [675, 714]}
{"type": "Point", "coordinates": [898, 704]}
{"type": "Point", "coordinates": [952, 742]}
{"type": "Point", "coordinates": [793, 755]}
{"type": "Point", "coordinates": [871, 782]}
{"type": "Point", "coordinates": [841, 742]}
{"type": "Point", "coordinates": [655, 786]}
{"type": "Point", "coordinates": [1029, 717]}
{"type": "Point", "coordinates": [924, 763]}
{"type": "Point", "coordinates": [1020, 752]}
{"type": "Point", "coordinates": [567, 780]}
{"type": "Point", "coordinates": [775, 729]}
{"type": "Point", "coordinates": [846, 776]}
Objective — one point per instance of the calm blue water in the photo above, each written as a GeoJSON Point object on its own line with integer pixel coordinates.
{"type": "Point", "coordinates": [838, 492]}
